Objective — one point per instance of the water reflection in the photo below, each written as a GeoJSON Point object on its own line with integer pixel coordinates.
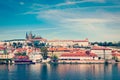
{"type": "Point", "coordinates": [60, 72]}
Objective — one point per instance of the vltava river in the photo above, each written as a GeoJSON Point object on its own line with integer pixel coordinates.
{"type": "Point", "coordinates": [60, 72]}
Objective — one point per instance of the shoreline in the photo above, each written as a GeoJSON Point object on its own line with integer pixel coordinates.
{"type": "Point", "coordinates": [69, 62]}
{"type": "Point", "coordinates": [59, 63]}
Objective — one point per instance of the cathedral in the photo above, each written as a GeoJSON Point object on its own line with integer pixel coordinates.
{"type": "Point", "coordinates": [31, 37]}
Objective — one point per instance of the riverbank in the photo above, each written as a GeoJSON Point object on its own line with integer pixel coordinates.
{"type": "Point", "coordinates": [85, 62]}
{"type": "Point", "coordinates": [70, 62]}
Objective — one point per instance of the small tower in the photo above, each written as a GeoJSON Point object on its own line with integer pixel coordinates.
{"type": "Point", "coordinates": [30, 35]}
{"type": "Point", "coordinates": [27, 36]}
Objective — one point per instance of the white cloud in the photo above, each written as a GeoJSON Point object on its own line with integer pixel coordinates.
{"type": "Point", "coordinates": [88, 20]}
{"type": "Point", "coordinates": [77, 22]}
{"type": "Point", "coordinates": [66, 16]}
{"type": "Point", "coordinates": [92, 23]}
{"type": "Point", "coordinates": [36, 7]}
{"type": "Point", "coordinates": [72, 2]}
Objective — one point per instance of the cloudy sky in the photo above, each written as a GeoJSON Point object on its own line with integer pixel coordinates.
{"type": "Point", "coordinates": [97, 20]}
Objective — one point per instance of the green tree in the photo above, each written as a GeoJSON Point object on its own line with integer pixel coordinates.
{"type": "Point", "coordinates": [18, 54]}
{"type": "Point", "coordinates": [24, 54]}
{"type": "Point", "coordinates": [115, 58]}
{"type": "Point", "coordinates": [44, 52]}
{"type": "Point", "coordinates": [54, 58]}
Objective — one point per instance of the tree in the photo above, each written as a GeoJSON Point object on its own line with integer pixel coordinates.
{"type": "Point", "coordinates": [5, 50]}
{"type": "Point", "coordinates": [44, 52]}
{"type": "Point", "coordinates": [54, 58]}
{"type": "Point", "coordinates": [115, 58]}
{"type": "Point", "coordinates": [5, 44]}
{"type": "Point", "coordinates": [20, 54]}
{"type": "Point", "coordinates": [76, 45]}
{"type": "Point", "coordinates": [14, 44]}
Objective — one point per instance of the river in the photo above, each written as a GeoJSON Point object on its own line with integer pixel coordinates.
{"type": "Point", "coordinates": [60, 72]}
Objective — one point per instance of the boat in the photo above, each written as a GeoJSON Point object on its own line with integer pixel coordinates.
{"type": "Point", "coordinates": [22, 60]}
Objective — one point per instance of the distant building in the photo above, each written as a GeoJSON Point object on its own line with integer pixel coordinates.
{"type": "Point", "coordinates": [102, 52]}
{"type": "Point", "coordinates": [2, 50]}
{"type": "Point", "coordinates": [33, 38]}
{"type": "Point", "coordinates": [79, 55]}
{"type": "Point", "coordinates": [83, 43]}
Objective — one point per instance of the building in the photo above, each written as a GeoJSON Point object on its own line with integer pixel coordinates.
{"type": "Point", "coordinates": [35, 41]}
{"type": "Point", "coordinates": [79, 55]}
{"type": "Point", "coordinates": [32, 38]}
{"type": "Point", "coordinates": [2, 50]}
{"type": "Point", "coordinates": [116, 55]}
{"type": "Point", "coordinates": [102, 52]}
{"type": "Point", "coordinates": [35, 57]}
{"type": "Point", "coordinates": [68, 43]}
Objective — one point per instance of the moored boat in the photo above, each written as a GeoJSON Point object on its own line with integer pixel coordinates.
{"type": "Point", "coordinates": [23, 60]}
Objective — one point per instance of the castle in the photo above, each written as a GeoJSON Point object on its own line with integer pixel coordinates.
{"type": "Point", "coordinates": [30, 37]}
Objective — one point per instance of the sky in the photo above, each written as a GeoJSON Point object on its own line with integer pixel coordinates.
{"type": "Point", "coordinates": [97, 20]}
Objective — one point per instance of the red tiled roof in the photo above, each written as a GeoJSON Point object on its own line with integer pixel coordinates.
{"type": "Point", "coordinates": [86, 40]}
{"type": "Point", "coordinates": [20, 49]}
{"type": "Point", "coordinates": [113, 51]}
{"type": "Point", "coordinates": [59, 40]}
{"type": "Point", "coordinates": [116, 54]}
{"type": "Point", "coordinates": [52, 49]}
{"type": "Point", "coordinates": [62, 49]}
{"type": "Point", "coordinates": [2, 48]}
{"type": "Point", "coordinates": [100, 48]}
{"type": "Point", "coordinates": [58, 49]}
{"type": "Point", "coordinates": [80, 40]}
{"type": "Point", "coordinates": [30, 50]}
{"type": "Point", "coordinates": [78, 54]}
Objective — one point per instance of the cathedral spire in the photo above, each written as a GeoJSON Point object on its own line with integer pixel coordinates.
{"type": "Point", "coordinates": [26, 35]}
{"type": "Point", "coordinates": [30, 35]}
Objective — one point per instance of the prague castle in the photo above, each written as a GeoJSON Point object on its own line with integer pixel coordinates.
{"type": "Point", "coordinates": [30, 38]}
{"type": "Point", "coordinates": [83, 43]}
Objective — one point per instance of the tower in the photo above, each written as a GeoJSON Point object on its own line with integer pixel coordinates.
{"type": "Point", "coordinates": [27, 36]}
{"type": "Point", "coordinates": [30, 35]}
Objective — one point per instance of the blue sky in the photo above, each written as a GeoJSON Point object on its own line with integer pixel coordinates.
{"type": "Point", "coordinates": [97, 20]}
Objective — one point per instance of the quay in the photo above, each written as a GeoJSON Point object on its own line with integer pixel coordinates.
{"type": "Point", "coordinates": [85, 61]}
{"type": "Point", "coordinates": [5, 61]}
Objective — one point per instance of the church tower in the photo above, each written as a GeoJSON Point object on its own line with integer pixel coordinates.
{"type": "Point", "coordinates": [30, 35]}
{"type": "Point", "coordinates": [26, 36]}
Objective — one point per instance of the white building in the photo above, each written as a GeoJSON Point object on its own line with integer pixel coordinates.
{"type": "Point", "coordinates": [79, 55]}
{"type": "Point", "coordinates": [83, 43]}
{"type": "Point", "coordinates": [8, 56]}
{"type": "Point", "coordinates": [35, 57]}
{"type": "Point", "coordinates": [102, 51]}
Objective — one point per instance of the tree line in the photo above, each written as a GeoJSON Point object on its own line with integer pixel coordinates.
{"type": "Point", "coordinates": [107, 43]}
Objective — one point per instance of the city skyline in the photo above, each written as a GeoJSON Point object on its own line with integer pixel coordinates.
{"type": "Point", "coordinates": [97, 20]}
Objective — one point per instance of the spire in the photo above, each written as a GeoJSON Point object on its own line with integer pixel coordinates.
{"type": "Point", "coordinates": [30, 35]}
{"type": "Point", "coordinates": [26, 35]}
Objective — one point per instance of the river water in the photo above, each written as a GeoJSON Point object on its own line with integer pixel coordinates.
{"type": "Point", "coordinates": [60, 72]}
